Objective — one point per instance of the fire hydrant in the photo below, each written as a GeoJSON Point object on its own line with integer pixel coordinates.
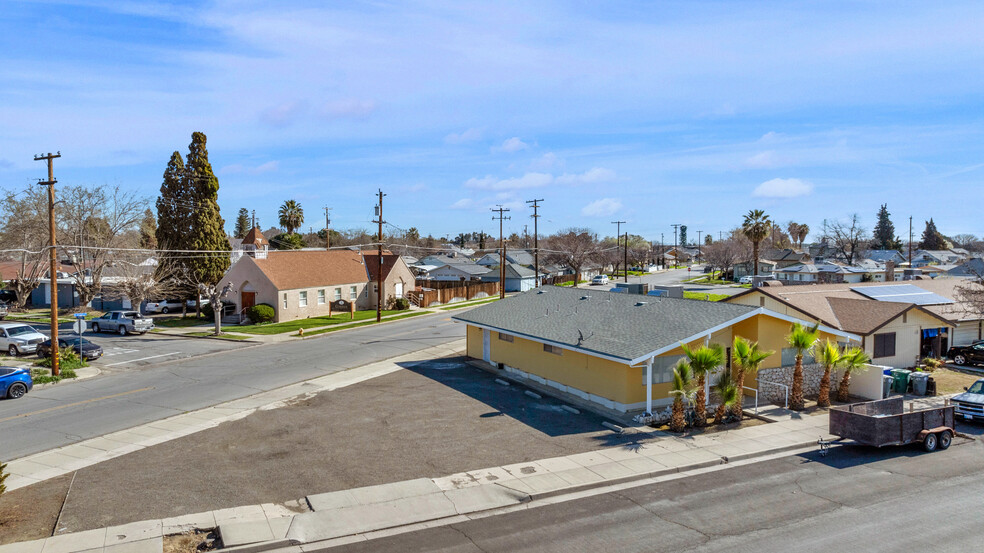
{"type": "Point", "coordinates": [300, 332]}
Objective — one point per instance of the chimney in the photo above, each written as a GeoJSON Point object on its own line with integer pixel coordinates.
{"type": "Point", "coordinates": [889, 271]}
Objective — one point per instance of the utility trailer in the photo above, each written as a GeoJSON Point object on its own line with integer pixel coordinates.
{"type": "Point", "coordinates": [885, 422]}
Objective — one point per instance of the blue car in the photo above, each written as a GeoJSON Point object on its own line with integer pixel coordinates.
{"type": "Point", "coordinates": [14, 382]}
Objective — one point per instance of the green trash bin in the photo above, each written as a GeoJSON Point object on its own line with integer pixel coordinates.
{"type": "Point", "coordinates": [900, 380]}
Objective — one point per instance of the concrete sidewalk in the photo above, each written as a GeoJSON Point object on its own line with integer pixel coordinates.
{"type": "Point", "coordinates": [356, 514]}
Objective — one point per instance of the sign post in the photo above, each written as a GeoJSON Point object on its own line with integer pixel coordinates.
{"type": "Point", "coordinates": [79, 328]}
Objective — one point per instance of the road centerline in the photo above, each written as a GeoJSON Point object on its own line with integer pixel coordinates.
{"type": "Point", "coordinates": [143, 359]}
{"type": "Point", "coordinates": [50, 409]}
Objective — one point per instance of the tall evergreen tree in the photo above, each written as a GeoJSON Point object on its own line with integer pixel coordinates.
{"type": "Point", "coordinates": [207, 229]}
{"type": "Point", "coordinates": [931, 238]}
{"type": "Point", "coordinates": [174, 207]}
{"type": "Point", "coordinates": [884, 230]}
{"type": "Point", "coordinates": [242, 223]}
{"type": "Point", "coordinates": [148, 231]}
{"type": "Point", "coordinates": [683, 236]}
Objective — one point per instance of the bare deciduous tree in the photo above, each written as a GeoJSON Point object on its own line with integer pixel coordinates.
{"type": "Point", "coordinates": [724, 254]}
{"type": "Point", "coordinates": [25, 216]}
{"type": "Point", "coordinates": [849, 239]}
{"type": "Point", "coordinates": [573, 248]}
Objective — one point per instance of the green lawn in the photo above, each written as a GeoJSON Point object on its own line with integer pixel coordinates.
{"type": "Point", "coordinates": [312, 322]}
{"type": "Point", "coordinates": [181, 322]}
{"type": "Point", "coordinates": [703, 296]}
{"type": "Point", "coordinates": [364, 323]}
{"type": "Point", "coordinates": [571, 283]}
{"type": "Point", "coordinates": [469, 304]}
{"type": "Point", "coordinates": [223, 336]}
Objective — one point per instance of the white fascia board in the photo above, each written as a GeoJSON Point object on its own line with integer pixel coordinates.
{"type": "Point", "coordinates": [542, 341]}
{"type": "Point", "coordinates": [701, 334]}
{"type": "Point", "coordinates": [827, 329]}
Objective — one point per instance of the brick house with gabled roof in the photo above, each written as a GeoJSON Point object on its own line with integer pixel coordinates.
{"type": "Point", "coordinates": [299, 284]}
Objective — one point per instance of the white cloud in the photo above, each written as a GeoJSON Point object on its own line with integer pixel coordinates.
{"type": "Point", "coordinates": [266, 167]}
{"type": "Point", "coordinates": [349, 108]}
{"type": "Point", "coordinates": [283, 114]}
{"type": "Point", "coordinates": [595, 175]}
{"type": "Point", "coordinates": [783, 188]}
{"type": "Point", "coordinates": [547, 161]}
{"type": "Point", "coordinates": [238, 168]}
{"type": "Point", "coordinates": [469, 135]}
{"type": "Point", "coordinates": [536, 180]}
{"type": "Point", "coordinates": [602, 208]}
{"type": "Point", "coordinates": [764, 160]}
{"type": "Point", "coordinates": [463, 203]}
{"type": "Point", "coordinates": [511, 145]}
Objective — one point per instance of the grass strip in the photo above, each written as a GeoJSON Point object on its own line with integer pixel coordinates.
{"type": "Point", "coordinates": [704, 296]}
{"type": "Point", "coordinates": [469, 304]}
{"type": "Point", "coordinates": [363, 323]}
{"type": "Point", "coordinates": [223, 336]}
{"type": "Point", "coordinates": [312, 322]}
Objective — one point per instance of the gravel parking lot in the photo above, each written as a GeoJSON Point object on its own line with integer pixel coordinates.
{"type": "Point", "coordinates": [434, 419]}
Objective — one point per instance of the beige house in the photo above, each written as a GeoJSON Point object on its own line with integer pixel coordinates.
{"type": "Point", "coordinates": [397, 277]}
{"type": "Point", "coordinates": [300, 284]}
{"type": "Point", "coordinates": [897, 322]}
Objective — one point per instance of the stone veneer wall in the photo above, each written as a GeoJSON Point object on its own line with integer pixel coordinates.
{"type": "Point", "coordinates": [784, 375]}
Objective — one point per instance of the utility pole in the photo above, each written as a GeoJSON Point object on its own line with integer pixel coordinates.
{"type": "Point", "coordinates": [618, 236]}
{"type": "Point", "coordinates": [379, 258]}
{"type": "Point", "coordinates": [662, 252]}
{"type": "Point", "coordinates": [53, 268]}
{"type": "Point", "coordinates": [910, 241]}
{"type": "Point", "coordinates": [698, 245]}
{"type": "Point", "coordinates": [536, 240]}
{"type": "Point", "coordinates": [502, 250]}
{"type": "Point", "coordinates": [526, 236]}
{"type": "Point", "coordinates": [676, 252]}
{"type": "Point", "coordinates": [626, 252]}
{"type": "Point", "coordinates": [327, 228]}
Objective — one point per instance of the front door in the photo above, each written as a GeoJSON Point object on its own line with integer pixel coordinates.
{"type": "Point", "coordinates": [248, 300]}
{"type": "Point", "coordinates": [487, 346]}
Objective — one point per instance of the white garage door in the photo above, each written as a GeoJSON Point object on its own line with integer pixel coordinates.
{"type": "Point", "coordinates": [965, 333]}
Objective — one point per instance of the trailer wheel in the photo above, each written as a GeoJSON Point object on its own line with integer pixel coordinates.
{"type": "Point", "coordinates": [930, 443]}
{"type": "Point", "coordinates": [946, 438]}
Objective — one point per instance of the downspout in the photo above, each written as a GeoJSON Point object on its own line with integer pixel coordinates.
{"type": "Point", "coordinates": [649, 386]}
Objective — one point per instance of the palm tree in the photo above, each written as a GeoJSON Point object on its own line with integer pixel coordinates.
{"type": "Point", "coordinates": [792, 228]}
{"type": "Point", "coordinates": [291, 216]}
{"type": "Point", "coordinates": [828, 355]}
{"type": "Point", "coordinates": [747, 358]}
{"type": "Point", "coordinates": [852, 360]}
{"type": "Point", "coordinates": [804, 229]}
{"type": "Point", "coordinates": [682, 391]}
{"type": "Point", "coordinates": [728, 395]}
{"type": "Point", "coordinates": [703, 362]}
{"type": "Point", "coordinates": [801, 338]}
{"type": "Point", "coordinates": [756, 228]}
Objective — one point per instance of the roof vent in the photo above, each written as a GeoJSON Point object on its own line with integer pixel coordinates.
{"type": "Point", "coordinates": [641, 303]}
{"type": "Point", "coordinates": [539, 291]}
{"type": "Point", "coordinates": [585, 297]}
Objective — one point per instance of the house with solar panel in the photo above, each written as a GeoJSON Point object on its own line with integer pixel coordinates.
{"type": "Point", "coordinates": [899, 323]}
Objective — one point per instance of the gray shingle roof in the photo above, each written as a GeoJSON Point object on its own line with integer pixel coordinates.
{"type": "Point", "coordinates": [610, 324]}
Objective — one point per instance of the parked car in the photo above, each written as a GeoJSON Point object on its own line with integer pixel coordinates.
{"type": "Point", "coordinates": [163, 306]}
{"type": "Point", "coordinates": [970, 404]}
{"type": "Point", "coordinates": [600, 279]}
{"type": "Point", "coordinates": [745, 280]}
{"type": "Point", "coordinates": [972, 354]}
{"type": "Point", "coordinates": [18, 338]}
{"type": "Point", "coordinates": [15, 382]}
{"type": "Point", "coordinates": [3, 310]}
{"type": "Point", "coordinates": [85, 349]}
{"type": "Point", "coordinates": [123, 323]}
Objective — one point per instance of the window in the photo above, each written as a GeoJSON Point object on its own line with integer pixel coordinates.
{"type": "Point", "coordinates": [338, 294]}
{"type": "Point", "coordinates": [552, 349]}
{"type": "Point", "coordinates": [885, 344]}
{"type": "Point", "coordinates": [505, 337]}
{"type": "Point", "coordinates": [662, 369]}
{"type": "Point", "coordinates": [302, 299]}
{"type": "Point", "coordinates": [789, 357]}
{"type": "Point", "coordinates": [321, 297]}
{"type": "Point", "coordinates": [285, 300]}
{"type": "Point", "coordinates": [353, 293]}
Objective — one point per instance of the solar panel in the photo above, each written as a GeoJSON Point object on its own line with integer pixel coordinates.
{"type": "Point", "coordinates": [902, 293]}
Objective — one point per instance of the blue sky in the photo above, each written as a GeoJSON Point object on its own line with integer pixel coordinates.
{"type": "Point", "coordinates": [648, 112]}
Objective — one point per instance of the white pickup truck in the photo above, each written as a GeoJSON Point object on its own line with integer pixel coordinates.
{"type": "Point", "coordinates": [123, 323]}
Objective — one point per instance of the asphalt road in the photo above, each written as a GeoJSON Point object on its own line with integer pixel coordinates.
{"type": "Point", "coordinates": [677, 276]}
{"type": "Point", "coordinates": [65, 414]}
{"type": "Point", "coordinates": [856, 499]}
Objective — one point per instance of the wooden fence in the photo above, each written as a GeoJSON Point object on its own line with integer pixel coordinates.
{"type": "Point", "coordinates": [425, 297]}
{"type": "Point", "coordinates": [546, 281]}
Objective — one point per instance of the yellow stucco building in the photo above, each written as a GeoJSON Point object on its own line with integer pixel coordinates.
{"type": "Point", "coordinates": [615, 350]}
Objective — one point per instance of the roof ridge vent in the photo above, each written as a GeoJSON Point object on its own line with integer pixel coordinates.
{"type": "Point", "coordinates": [585, 297]}
{"type": "Point", "coordinates": [641, 303]}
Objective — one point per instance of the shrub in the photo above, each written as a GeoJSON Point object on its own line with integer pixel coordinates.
{"type": "Point", "coordinates": [208, 312]}
{"type": "Point", "coordinates": [69, 361]}
{"type": "Point", "coordinates": [400, 304]}
{"type": "Point", "coordinates": [932, 364]}
{"type": "Point", "coordinates": [261, 313]}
